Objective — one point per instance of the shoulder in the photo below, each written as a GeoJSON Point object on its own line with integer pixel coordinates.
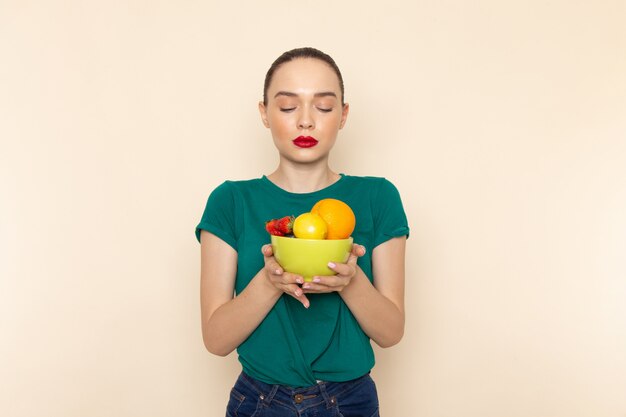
{"type": "Point", "coordinates": [379, 193]}
{"type": "Point", "coordinates": [228, 195]}
{"type": "Point", "coordinates": [233, 187]}
{"type": "Point", "coordinates": [376, 185]}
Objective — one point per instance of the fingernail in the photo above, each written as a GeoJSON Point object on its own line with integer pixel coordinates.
{"type": "Point", "coordinates": [306, 305]}
{"type": "Point", "coordinates": [306, 286]}
{"type": "Point", "coordinates": [299, 280]}
{"type": "Point", "coordinates": [331, 264]}
{"type": "Point", "coordinates": [316, 279]}
{"type": "Point", "coordinates": [277, 272]}
{"type": "Point", "coordinates": [298, 292]}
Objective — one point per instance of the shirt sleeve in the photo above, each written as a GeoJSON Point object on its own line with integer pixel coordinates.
{"type": "Point", "coordinates": [219, 215]}
{"type": "Point", "coordinates": [389, 217]}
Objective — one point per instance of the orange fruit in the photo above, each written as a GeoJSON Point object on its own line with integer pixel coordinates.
{"type": "Point", "coordinates": [338, 216]}
{"type": "Point", "coordinates": [310, 226]}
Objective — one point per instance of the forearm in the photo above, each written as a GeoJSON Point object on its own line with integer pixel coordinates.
{"type": "Point", "coordinates": [378, 316]}
{"type": "Point", "coordinates": [231, 323]}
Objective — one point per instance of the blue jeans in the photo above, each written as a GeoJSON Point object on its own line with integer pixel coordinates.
{"type": "Point", "coordinates": [252, 398]}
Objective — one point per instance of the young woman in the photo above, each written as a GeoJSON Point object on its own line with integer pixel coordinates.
{"type": "Point", "coordinates": [304, 347]}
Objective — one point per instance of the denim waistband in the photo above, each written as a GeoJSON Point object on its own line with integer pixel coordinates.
{"type": "Point", "coordinates": [323, 391]}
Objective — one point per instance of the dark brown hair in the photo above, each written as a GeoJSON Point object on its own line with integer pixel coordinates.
{"type": "Point", "coordinates": [307, 52]}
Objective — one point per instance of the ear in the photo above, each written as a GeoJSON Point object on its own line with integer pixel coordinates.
{"type": "Point", "coordinates": [263, 112]}
{"type": "Point", "coordinates": [344, 115]}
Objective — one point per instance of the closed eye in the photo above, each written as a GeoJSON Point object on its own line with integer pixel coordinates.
{"type": "Point", "coordinates": [287, 109]}
{"type": "Point", "coordinates": [325, 110]}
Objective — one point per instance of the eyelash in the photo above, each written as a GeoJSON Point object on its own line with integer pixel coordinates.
{"type": "Point", "coordinates": [290, 109]}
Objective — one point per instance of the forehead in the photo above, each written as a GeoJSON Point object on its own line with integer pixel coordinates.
{"type": "Point", "coordinates": [304, 75]}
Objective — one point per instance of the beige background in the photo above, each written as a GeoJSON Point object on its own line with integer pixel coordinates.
{"type": "Point", "coordinates": [503, 124]}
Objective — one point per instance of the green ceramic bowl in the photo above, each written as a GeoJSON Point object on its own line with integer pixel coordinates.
{"type": "Point", "coordinates": [310, 257]}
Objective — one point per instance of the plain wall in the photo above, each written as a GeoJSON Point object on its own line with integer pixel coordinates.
{"type": "Point", "coordinates": [502, 123]}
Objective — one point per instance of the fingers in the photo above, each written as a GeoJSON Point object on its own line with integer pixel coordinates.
{"type": "Point", "coordinates": [273, 268]}
{"type": "Point", "coordinates": [270, 263]}
{"type": "Point", "coordinates": [267, 250]}
{"type": "Point", "coordinates": [325, 284]}
{"type": "Point", "coordinates": [347, 269]}
{"type": "Point", "coordinates": [357, 252]}
{"type": "Point", "coordinates": [298, 294]}
{"type": "Point", "coordinates": [290, 284]}
{"type": "Point", "coordinates": [345, 273]}
{"type": "Point", "coordinates": [284, 281]}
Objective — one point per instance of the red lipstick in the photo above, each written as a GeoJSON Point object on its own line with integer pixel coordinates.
{"type": "Point", "coordinates": [305, 141]}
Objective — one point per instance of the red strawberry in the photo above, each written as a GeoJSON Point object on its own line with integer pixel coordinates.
{"type": "Point", "coordinates": [280, 227]}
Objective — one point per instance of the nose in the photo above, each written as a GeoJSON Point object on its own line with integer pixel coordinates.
{"type": "Point", "coordinates": [305, 121]}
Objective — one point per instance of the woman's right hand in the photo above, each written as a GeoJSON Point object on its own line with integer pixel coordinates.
{"type": "Point", "coordinates": [285, 281]}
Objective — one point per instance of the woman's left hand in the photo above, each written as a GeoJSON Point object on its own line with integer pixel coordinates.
{"type": "Point", "coordinates": [345, 273]}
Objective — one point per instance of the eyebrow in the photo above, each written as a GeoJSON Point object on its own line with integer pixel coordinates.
{"type": "Point", "coordinates": [321, 94]}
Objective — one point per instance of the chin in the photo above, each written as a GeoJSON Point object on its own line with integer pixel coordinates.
{"type": "Point", "coordinates": [304, 159]}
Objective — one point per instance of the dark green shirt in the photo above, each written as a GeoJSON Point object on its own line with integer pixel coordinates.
{"type": "Point", "coordinates": [293, 345]}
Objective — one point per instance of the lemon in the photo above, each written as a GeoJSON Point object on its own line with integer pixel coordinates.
{"type": "Point", "coordinates": [310, 226]}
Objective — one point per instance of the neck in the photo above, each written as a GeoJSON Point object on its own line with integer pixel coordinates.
{"type": "Point", "coordinates": [303, 179]}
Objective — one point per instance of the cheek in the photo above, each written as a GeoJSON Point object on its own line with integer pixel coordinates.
{"type": "Point", "coordinates": [280, 126]}
{"type": "Point", "coordinates": [331, 123]}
